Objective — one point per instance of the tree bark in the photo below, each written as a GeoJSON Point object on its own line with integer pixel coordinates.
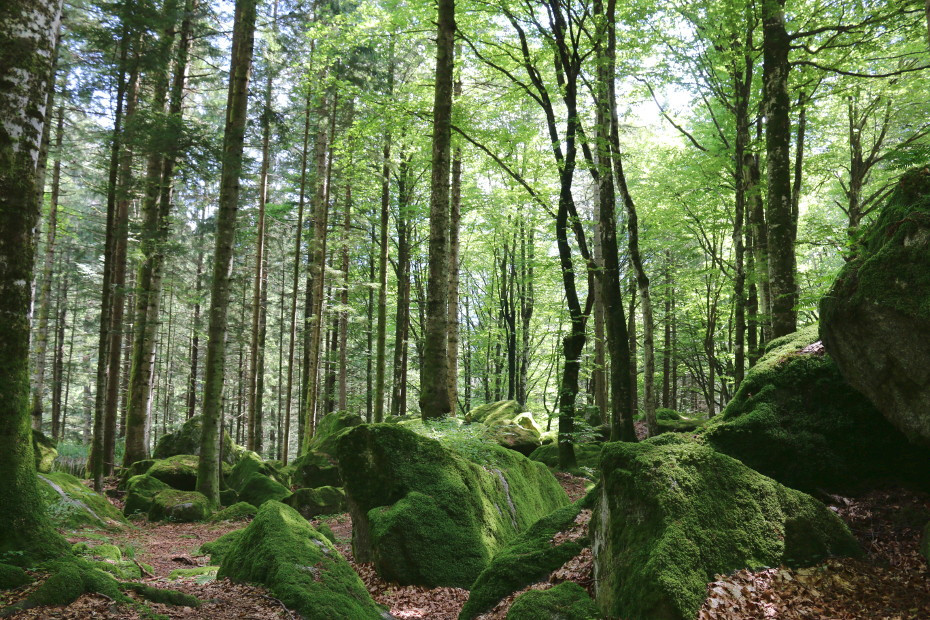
{"type": "Point", "coordinates": [402, 317]}
{"type": "Point", "coordinates": [381, 338]}
{"type": "Point", "coordinates": [434, 365]}
{"type": "Point", "coordinates": [208, 472]}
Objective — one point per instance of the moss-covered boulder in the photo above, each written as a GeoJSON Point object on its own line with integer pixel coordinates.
{"type": "Point", "coordinates": [136, 469]}
{"type": "Point", "coordinates": [298, 565]}
{"type": "Point", "coordinates": [566, 601]}
{"type": "Point", "coordinates": [330, 428]}
{"type": "Point", "coordinates": [12, 577]}
{"type": "Point", "coordinates": [797, 420]}
{"type": "Point", "coordinates": [217, 549]}
{"type": "Point", "coordinates": [186, 440]}
{"type": "Point", "coordinates": [179, 506]}
{"type": "Point", "coordinates": [258, 489]}
{"type": "Point", "coordinates": [875, 321]}
{"type": "Point", "coordinates": [494, 413]}
{"type": "Point", "coordinates": [426, 515]}
{"type": "Point", "coordinates": [71, 504]}
{"type": "Point", "coordinates": [672, 513]}
{"type": "Point", "coordinates": [44, 450]}
{"type": "Point", "coordinates": [249, 464]}
{"type": "Point", "coordinates": [240, 511]}
{"type": "Point", "coordinates": [587, 454]}
{"type": "Point", "coordinates": [178, 472]}
{"type": "Point", "coordinates": [315, 502]}
{"type": "Point", "coordinates": [515, 437]}
{"type": "Point", "coordinates": [530, 557]}
{"type": "Point", "coordinates": [315, 469]}
{"type": "Point", "coordinates": [140, 491]}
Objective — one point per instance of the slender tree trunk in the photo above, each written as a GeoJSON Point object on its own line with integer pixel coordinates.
{"type": "Point", "coordinates": [455, 216]}
{"type": "Point", "coordinates": [434, 365]}
{"type": "Point", "coordinates": [527, 304]}
{"type": "Point", "coordinates": [402, 317]}
{"type": "Point", "coordinates": [208, 472]}
{"type": "Point", "coordinates": [742, 84]}
{"type": "Point", "coordinates": [380, 342]}
{"type": "Point", "coordinates": [667, 344]}
{"type": "Point", "coordinates": [28, 36]}
{"type": "Point", "coordinates": [195, 323]}
{"type": "Point", "coordinates": [59, 356]}
{"type": "Point", "coordinates": [343, 343]}
{"type": "Point", "coordinates": [779, 216]}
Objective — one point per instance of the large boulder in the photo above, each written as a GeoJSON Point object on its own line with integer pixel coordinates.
{"type": "Point", "coordinates": [529, 558]}
{"type": "Point", "coordinates": [315, 502]}
{"type": "Point", "coordinates": [178, 472]}
{"type": "Point", "coordinates": [44, 450]}
{"type": "Point", "coordinates": [179, 506]}
{"type": "Point", "coordinates": [673, 513]}
{"type": "Point", "coordinates": [70, 504]}
{"type": "Point", "coordinates": [566, 601]}
{"type": "Point", "coordinates": [298, 565]}
{"type": "Point", "coordinates": [186, 440]}
{"type": "Point", "coordinates": [507, 425]}
{"type": "Point", "coordinates": [875, 321]}
{"type": "Point", "coordinates": [330, 428]}
{"type": "Point", "coordinates": [426, 515]}
{"type": "Point", "coordinates": [795, 419]}
{"type": "Point", "coordinates": [490, 413]}
{"type": "Point", "coordinates": [315, 469]}
{"type": "Point", "coordinates": [140, 491]}
{"type": "Point", "coordinates": [258, 489]}
{"type": "Point", "coordinates": [249, 465]}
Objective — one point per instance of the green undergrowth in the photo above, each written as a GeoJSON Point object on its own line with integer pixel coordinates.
{"type": "Point", "coordinates": [530, 557]}
{"type": "Point", "coordinates": [198, 571]}
{"type": "Point", "coordinates": [566, 601]}
{"type": "Point", "coordinates": [298, 565]}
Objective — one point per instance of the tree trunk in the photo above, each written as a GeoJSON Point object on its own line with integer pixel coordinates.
{"type": "Point", "coordinates": [402, 317]}
{"type": "Point", "coordinates": [28, 34]}
{"type": "Point", "coordinates": [434, 365]}
{"type": "Point", "coordinates": [59, 356]}
{"type": "Point", "coordinates": [208, 472]}
{"type": "Point", "coordinates": [380, 341]}
{"type": "Point", "coordinates": [779, 212]}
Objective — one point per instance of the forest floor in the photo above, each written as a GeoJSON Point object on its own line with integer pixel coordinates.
{"type": "Point", "coordinates": [889, 582]}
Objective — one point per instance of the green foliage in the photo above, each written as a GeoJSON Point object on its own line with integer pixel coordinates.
{"type": "Point", "coordinates": [566, 601]}
{"type": "Point", "coordinates": [528, 558]}
{"type": "Point", "coordinates": [673, 513]}
{"type": "Point", "coordinates": [298, 565]}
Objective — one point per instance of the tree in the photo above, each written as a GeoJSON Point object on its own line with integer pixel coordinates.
{"type": "Point", "coordinates": [28, 33]}
{"type": "Point", "coordinates": [208, 467]}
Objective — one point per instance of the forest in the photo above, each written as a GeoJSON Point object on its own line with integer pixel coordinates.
{"type": "Point", "coordinates": [527, 309]}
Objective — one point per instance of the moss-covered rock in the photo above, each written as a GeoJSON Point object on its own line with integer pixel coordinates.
{"type": "Point", "coordinates": [258, 489]}
{"type": "Point", "coordinates": [70, 579]}
{"type": "Point", "coordinates": [71, 504]}
{"type": "Point", "coordinates": [663, 413]}
{"type": "Point", "coordinates": [587, 454]}
{"type": "Point", "coordinates": [178, 471]}
{"type": "Point", "coordinates": [228, 497]}
{"type": "Point", "coordinates": [673, 513]}
{"type": "Point", "coordinates": [218, 548]}
{"type": "Point", "coordinates": [330, 428]}
{"type": "Point", "coordinates": [249, 464]}
{"type": "Point", "coordinates": [197, 571]}
{"type": "Point", "coordinates": [44, 450]}
{"type": "Point", "coordinates": [530, 557]}
{"type": "Point", "coordinates": [109, 558]}
{"type": "Point", "coordinates": [186, 440]}
{"type": "Point", "coordinates": [493, 413]}
{"type": "Point", "coordinates": [875, 321]}
{"type": "Point", "coordinates": [515, 437]}
{"type": "Point", "coordinates": [12, 577]}
{"type": "Point", "coordinates": [179, 506]}
{"type": "Point", "coordinates": [299, 566]}
{"type": "Point", "coordinates": [566, 601]}
{"type": "Point", "coordinates": [797, 420]}
{"type": "Point", "coordinates": [315, 502]}
{"type": "Point", "coordinates": [140, 491]}
{"type": "Point", "coordinates": [315, 469]}
{"type": "Point", "coordinates": [136, 469]}
{"type": "Point", "coordinates": [163, 595]}
{"type": "Point", "coordinates": [426, 515]}
{"type": "Point", "coordinates": [240, 511]}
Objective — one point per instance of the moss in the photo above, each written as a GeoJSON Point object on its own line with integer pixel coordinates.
{"type": "Point", "coordinates": [71, 505]}
{"type": "Point", "coordinates": [186, 440]}
{"type": "Point", "coordinates": [258, 489]}
{"type": "Point", "coordinates": [795, 419]}
{"type": "Point", "coordinates": [12, 577]}
{"type": "Point", "coordinates": [514, 436]}
{"type": "Point", "coordinates": [326, 531]}
{"type": "Point", "coordinates": [426, 515]}
{"type": "Point", "coordinates": [566, 601]}
{"type": "Point", "coordinates": [531, 556]}
{"type": "Point", "coordinates": [179, 506]}
{"type": "Point", "coordinates": [299, 566]}
{"type": "Point", "coordinates": [228, 497]}
{"type": "Point", "coordinates": [315, 469]}
{"type": "Point", "coordinates": [140, 491]}
{"type": "Point", "coordinates": [667, 414]}
{"type": "Point", "coordinates": [44, 450]}
{"type": "Point", "coordinates": [330, 429]}
{"type": "Point", "coordinates": [314, 502]}
{"type": "Point", "coordinates": [587, 455]}
{"type": "Point", "coordinates": [249, 465]}
{"type": "Point", "coordinates": [69, 579]}
{"type": "Point", "coordinates": [494, 413]}
{"type": "Point", "coordinates": [682, 425]}
{"type": "Point", "coordinates": [182, 573]}
{"type": "Point", "coordinates": [218, 548]}
{"type": "Point", "coordinates": [241, 511]}
{"type": "Point", "coordinates": [136, 469]}
{"type": "Point", "coordinates": [179, 472]}
{"type": "Point", "coordinates": [107, 552]}
{"type": "Point", "coordinates": [673, 513]}
{"type": "Point", "coordinates": [163, 595]}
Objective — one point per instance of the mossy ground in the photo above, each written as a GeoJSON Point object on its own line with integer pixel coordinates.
{"type": "Point", "coordinates": [282, 551]}
{"type": "Point", "coordinates": [673, 513]}
{"type": "Point", "coordinates": [426, 515]}
{"type": "Point", "coordinates": [530, 557]}
{"type": "Point", "coordinates": [566, 601]}
{"type": "Point", "coordinates": [797, 420]}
